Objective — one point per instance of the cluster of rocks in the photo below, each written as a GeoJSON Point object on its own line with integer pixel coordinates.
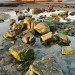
{"type": "Point", "coordinates": [62, 14]}
{"type": "Point", "coordinates": [27, 29]}
{"type": "Point", "coordinates": [68, 29]}
{"type": "Point", "coordinates": [40, 10]}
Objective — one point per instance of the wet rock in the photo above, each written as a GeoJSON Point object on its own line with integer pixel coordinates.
{"type": "Point", "coordinates": [41, 10]}
{"type": "Point", "coordinates": [63, 39]}
{"type": "Point", "coordinates": [18, 27]}
{"type": "Point", "coordinates": [28, 16]}
{"type": "Point", "coordinates": [4, 16]}
{"type": "Point", "coordinates": [28, 38]}
{"type": "Point", "coordinates": [35, 11]}
{"type": "Point", "coordinates": [47, 36]}
{"type": "Point", "coordinates": [1, 20]}
{"type": "Point", "coordinates": [50, 8]}
{"type": "Point", "coordinates": [28, 9]}
{"type": "Point", "coordinates": [18, 13]}
{"type": "Point", "coordinates": [29, 30]}
{"type": "Point", "coordinates": [63, 14]}
{"type": "Point", "coordinates": [21, 51]}
{"type": "Point", "coordinates": [11, 22]}
{"type": "Point", "coordinates": [54, 15]}
{"type": "Point", "coordinates": [12, 42]}
{"type": "Point", "coordinates": [45, 66]}
{"type": "Point", "coordinates": [8, 35]}
{"type": "Point", "coordinates": [21, 25]}
{"type": "Point", "coordinates": [72, 13]}
{"type": "Point", "coordinates": [21, 17]}
{"type": "Point", "coordinates": [33, 24]}
{"type": "Point", "coordinates": [27, 22]}
{"type": "Point", "coordinates": [42, 28]}
{"type": "Point", "coordinates": [15, 26]}
{"type": "Point", "coordinates": [67, 50]}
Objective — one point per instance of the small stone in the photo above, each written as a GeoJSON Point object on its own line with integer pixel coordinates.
{"type": "Point", "coordinates": [67, 50]}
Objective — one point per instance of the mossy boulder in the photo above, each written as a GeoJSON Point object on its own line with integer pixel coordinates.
{"type": "Point", "coordinates": [45, 66]}
{"type": "Point", "coordinates": [42, 28]}
{"type": "Point", "coordinates": [21, 52]}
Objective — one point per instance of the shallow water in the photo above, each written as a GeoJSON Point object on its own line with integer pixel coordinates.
{"type": "Point", "coordinates": [67, 62]}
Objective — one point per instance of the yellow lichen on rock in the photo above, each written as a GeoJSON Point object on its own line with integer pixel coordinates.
{"type": "Point", "coordinates": [14, 53]}
{"type": "Point", "coordinates": [7, 35]}
{"type": "Point", "coordinates": [46, 36]}
{"type": "Point", "coordinates": [67, 50]}
{"type": "Point", "coordinates": [28, 23]}
{"type": "Point", "coordinates": [42, 28]}
{"type": "Point", "coordinates": [63, 37]}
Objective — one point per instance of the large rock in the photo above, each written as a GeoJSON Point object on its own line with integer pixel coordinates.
{"type": "Point", "coordinates": [28, 38]}
{"type": "Point", "coordinates": [45, 66]}
{"type": "Point", "coordinates": [11, 22]}
{"type": "Point", "coordinates": [21, 51]}
{"type": "Point", "coordinates": [47, 36]}
{"type": "Point", "coordinates": [63, 39]}
{"type": "Point", "coordinates": [42, 28]}
{"type": "Point", "coordinates": [67, 50]}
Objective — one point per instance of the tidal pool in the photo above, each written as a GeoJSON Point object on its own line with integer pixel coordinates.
{"type": "Point", "coordinates": [67, 62]}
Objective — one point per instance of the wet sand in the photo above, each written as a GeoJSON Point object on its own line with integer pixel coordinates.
{"type": "Point", "coordinates": [32, 5]}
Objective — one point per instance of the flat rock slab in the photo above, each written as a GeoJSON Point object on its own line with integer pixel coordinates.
{"type": "Point", "coordinates": [45, 66]}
